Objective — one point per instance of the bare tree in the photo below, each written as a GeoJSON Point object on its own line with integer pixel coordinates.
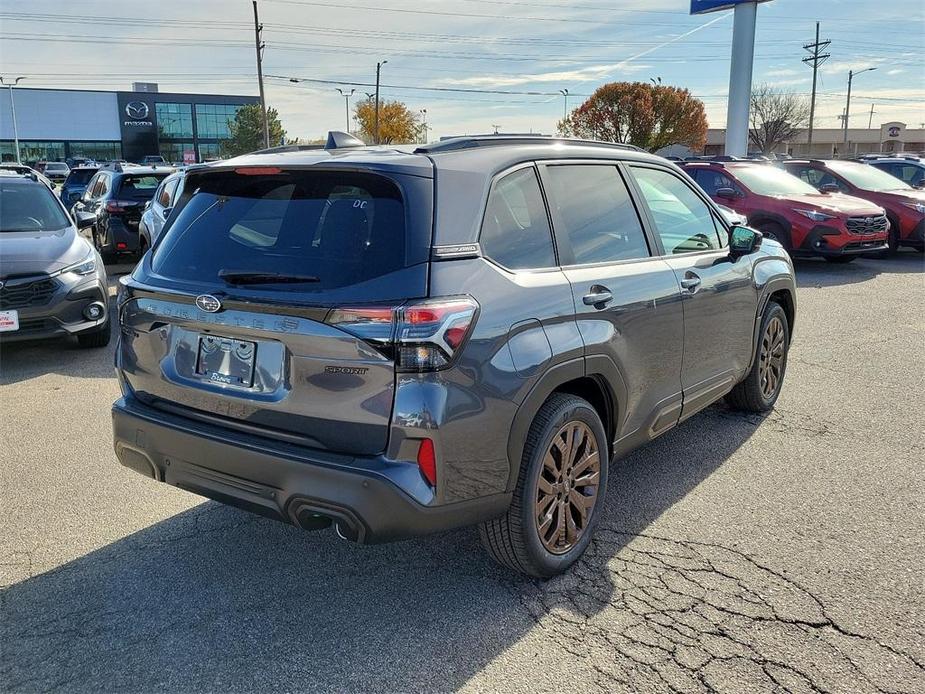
{"type": "Point", "coordinates": [777, 117]}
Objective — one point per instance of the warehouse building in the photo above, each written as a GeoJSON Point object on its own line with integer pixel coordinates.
{"type": "Point", "coordinates": [60, 124]}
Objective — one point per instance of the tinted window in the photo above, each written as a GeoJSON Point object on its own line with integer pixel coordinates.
{"type": "Point", "coordinates": [711, 181]}
{"type": "Point", "coordinates": [140, 187]}
{"type": "Point", "coordinates": [80, 176]}
{"type": "Point", "coordinates": [515, 231]}
{"type": "Point", "coordinates": [29, 207]}
{"type": "Point", "coordinates": [340, 228]}
{"type": "Point", "coordinates": [595, 209]}
{"type": "Point", "coordinates": [683, 221]}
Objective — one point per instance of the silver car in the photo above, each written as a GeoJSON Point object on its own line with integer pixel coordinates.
{"type": "Point", "coordinates": [52, 281]}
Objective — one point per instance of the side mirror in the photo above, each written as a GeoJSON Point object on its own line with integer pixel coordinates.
{"type": "Point", "coordinates": [84, 219]}
{"type": "Point", "coordinates": [743, 241]}
{"type": "Point", "coordinates": [727, 193]}
{"type": "Point", "coordinates": [829, 188]}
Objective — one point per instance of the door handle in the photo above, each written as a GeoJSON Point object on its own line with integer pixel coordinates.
{"type": "Point", "coordinates": [691, 282]}
{"type": "Point", "coordinates": [598, 298]}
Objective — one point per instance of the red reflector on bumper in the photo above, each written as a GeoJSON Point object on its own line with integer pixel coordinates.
{"type": "Point", "coordinates": [427, 461]}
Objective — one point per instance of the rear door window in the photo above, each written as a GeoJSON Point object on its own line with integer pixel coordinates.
{"type": "Point", "coordinates": [515, 230]}
{"type": "Point", "coordinates": [594, 207]}
{"type": "Point", "coordinates": [330, 229]}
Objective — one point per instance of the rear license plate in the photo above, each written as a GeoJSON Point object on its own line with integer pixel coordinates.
{"type": "Point", "coordinates": [9, 321]}
{"type": "Point", "coordinates": [226, 360]}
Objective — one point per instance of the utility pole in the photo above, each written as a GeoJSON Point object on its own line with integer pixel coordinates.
{"type": "Point", "coordinates": [870, 122]}
{"type": "Point", "coordinates": [564, 93]}
{"type": "Point", "coordinates": [376, 132]}
{"type": "Point", "coordinates": [13, 111]}
{"type": "Point", "coordinates": [258, 31]}
{"type": "Point", "coordinates": [424, 124]}
{"type": "Point", "coordinates": [815, 59]}
{"type": "Point", "coordinates": [497, 128]}
{"type": "Point", "coordinates": [347, 96]}
{"type": "Point", "coordinates": [851, 75]}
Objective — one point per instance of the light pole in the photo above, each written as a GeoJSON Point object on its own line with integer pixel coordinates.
{"type": "Point", "coordinates": [424, 124]}
{"type": "Point", "coordinates": [13, 110]}
{"type": "Point", "coordinates": [851, 75]}
{"type": "Point", "coordinates": [347, 96]}
{"type": "Point", "coordinates": [564, 93]}
{"type": "Point", "coordinates": [378, 69]}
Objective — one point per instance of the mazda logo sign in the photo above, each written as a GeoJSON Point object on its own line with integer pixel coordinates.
{"type": "Point", "coordinates": [208, 303]}
{"type": "Point", "coordinates": [138, 110]}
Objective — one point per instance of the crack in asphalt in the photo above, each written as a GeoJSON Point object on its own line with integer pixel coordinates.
{"type": "Point", "coordinates": [652, 613]}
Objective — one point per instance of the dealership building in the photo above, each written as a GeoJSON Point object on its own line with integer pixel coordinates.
{"type": "Point", "coordinates": [59, 124]}
{"type": "Point", "coordinates": [829, 143]}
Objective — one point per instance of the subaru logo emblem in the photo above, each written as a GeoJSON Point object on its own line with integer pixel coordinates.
{"type": "Point", "coordinates": [870, 220]}
{"type": "Point", "coordinates": [2, 284]}
{"type": "Point", "coordinates": [208, 303]}
{"type": "Point", "coordinates": [137, 110]}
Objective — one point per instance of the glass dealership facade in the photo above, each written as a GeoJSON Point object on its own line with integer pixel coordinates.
{"type": "Point", "coordinates": [113, 125]}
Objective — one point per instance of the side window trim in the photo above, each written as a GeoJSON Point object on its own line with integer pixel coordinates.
{"type": "Point", "coordinates": [495, 180]}
{"type": "Point", "coordinates": [564, 248]}
{"type": "Point", "coordinates": [724, 246]}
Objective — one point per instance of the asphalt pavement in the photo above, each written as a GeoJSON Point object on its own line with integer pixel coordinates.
{"type": "Point", "coordinates": [736, 554]}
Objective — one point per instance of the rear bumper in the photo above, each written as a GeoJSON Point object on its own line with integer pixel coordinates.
{"type": "Point", "coordinates": [121, 232]}
{"type": "Point", "coordinates": [362, 497]}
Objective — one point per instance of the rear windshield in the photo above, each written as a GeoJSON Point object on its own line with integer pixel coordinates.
{"type": "Point", "coordinates": [140, 187]}
{"type": "Point", "coordinates": [80, 176]}
{"type": "Point", "coordinates": [332, 229]}
{"type": "Point", "coordinates": [56, 166]}
{"type": "Point", "coordinates": [29, 207]}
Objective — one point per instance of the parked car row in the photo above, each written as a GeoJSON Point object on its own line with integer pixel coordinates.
{"type": "Point", "coordinates": [835, 209]}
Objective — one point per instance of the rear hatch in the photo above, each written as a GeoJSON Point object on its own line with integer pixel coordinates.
{"type": "Point", "coordinates": [246, 313]}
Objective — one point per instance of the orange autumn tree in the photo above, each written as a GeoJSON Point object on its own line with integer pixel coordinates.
{"type": "Point", "coordinates": [650, 116]}
{"type": "Point", "coordinates": [397, 124]}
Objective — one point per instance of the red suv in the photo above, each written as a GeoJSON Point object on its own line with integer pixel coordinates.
{"type": "Point", "coordinates": [805, 221]}
{"type": "Point", "coordinates": [904, 205]}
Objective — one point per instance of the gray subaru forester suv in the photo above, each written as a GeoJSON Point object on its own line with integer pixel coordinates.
{"type": "Point", "coordinates": [398, 342]}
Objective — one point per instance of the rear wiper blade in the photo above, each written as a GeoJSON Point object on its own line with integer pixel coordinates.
{"type": "Point", "coordinates": [237, 277]}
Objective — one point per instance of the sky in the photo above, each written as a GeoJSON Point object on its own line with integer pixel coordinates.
{"type": "Point", "coordinates": [473, 65]}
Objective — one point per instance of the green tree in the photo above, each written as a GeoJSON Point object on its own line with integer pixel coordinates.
{"type": "Point", "coordinates": [247, 131]}
{"type": "Point", "coordinates": [651, 116]}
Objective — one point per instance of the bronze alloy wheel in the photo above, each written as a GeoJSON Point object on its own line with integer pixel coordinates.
{"type": "Point", "coordinates": [567, 486]}
{"type": "Point", "coordinates": [771, 360]}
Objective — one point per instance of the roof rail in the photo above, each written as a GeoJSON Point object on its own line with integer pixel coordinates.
{"type": "Point", "coordinates": [287, 148]}
{"type": "Point", "coordinates": [473, 141]}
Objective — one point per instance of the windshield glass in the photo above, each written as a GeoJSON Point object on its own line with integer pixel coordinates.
{"type": "Point", "coordinates": [29, 207]}
{"type": "Point", "coordinates": [867, 177]}
{"type": "Point", "coordinates": [769, 180]}
{"type": "Point", "coordinates": [55, 166]}
{"type": "Point", "coordinates": [338, 229]}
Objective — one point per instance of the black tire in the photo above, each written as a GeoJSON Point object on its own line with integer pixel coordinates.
{"type": "Point", "coordinates": [95, 338]}
{"type": "Point", "coordinates": [840, 259]}
{"type": "Point", "coordinates": [750, 394]}
{"type": "Point", "coordinates": [107, 256]}
{"type": "Point", "coordinates": [775, 231]}
{"type": "Point", "coordinates": [893, 237]}
{"type": "Point", "coordinates": [514, 539]}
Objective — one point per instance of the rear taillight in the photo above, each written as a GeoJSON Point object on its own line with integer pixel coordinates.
{"type": "Point", "coordinates": [118, 206]}
{"type": "Point", "coordinates": [421, 336]}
